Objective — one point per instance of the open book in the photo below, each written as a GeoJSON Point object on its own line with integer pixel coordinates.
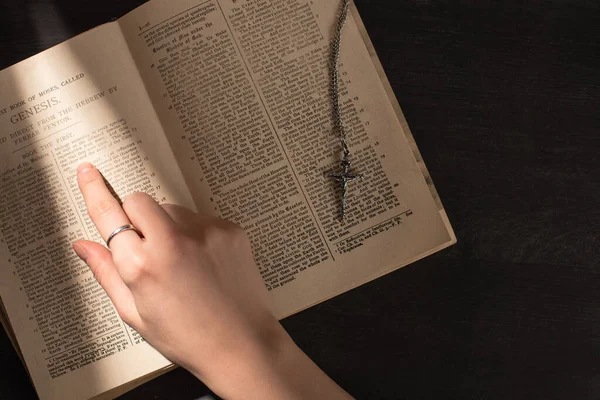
{"type": "Point", "coordinates": [222, 106]}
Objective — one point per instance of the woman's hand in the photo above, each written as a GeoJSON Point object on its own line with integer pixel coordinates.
{"type": "Point", "coordinates": [191, 288]}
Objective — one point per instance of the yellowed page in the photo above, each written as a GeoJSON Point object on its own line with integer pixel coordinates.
{"type": "Point", "coordinates": [242, 89]}
{"type": "Point", "coordinates": [120, 390]}
{"type": "Point", "coordinates": [82, 100]}
{"type": "Point", "coordinates": [403, 124]}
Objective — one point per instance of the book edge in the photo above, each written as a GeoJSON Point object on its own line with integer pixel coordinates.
{"type": "Point", "coordinates": [394, 103]}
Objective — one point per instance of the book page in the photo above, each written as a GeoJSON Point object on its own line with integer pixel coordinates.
{"type": "Point", "coordinates": [242, 89]}
{"type": "Point", "coordinates": [82, 100]}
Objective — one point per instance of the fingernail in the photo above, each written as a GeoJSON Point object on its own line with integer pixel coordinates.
{"type": "Point", "coordinates": [80, 251]}
{"type": "Point", "coordinates": [85, 167]}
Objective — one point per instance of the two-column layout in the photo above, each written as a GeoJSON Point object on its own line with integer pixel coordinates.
{"type": "Point", "coordinates": [249, 87]}
{"type": "Point", "coordinates": [42, 213]}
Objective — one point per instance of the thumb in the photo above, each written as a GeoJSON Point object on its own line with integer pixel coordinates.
{"type": "Point", "coordinates": [100, 261]}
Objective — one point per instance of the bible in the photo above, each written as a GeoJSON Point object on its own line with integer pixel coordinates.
{"type": "Point", "coordinates": [222, 106]}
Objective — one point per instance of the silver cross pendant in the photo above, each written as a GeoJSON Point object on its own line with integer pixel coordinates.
{"type": "Point", "coordinates": [343, 178]}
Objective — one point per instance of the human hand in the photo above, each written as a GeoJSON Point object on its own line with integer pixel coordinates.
{"type": "Point", "coordinates": [191, 288]}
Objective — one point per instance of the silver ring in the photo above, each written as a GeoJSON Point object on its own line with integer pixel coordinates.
{"type": "Point", "coordinates": [122, 229]}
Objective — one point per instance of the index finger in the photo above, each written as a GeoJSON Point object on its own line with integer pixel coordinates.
{"type": "Point", "coordinates": [104, 210]}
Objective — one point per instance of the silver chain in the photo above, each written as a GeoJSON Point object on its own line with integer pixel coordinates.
{"type": "Point", "coordinates": [338, 124]}
{"type": "Point", "coordinates": [344, 177]}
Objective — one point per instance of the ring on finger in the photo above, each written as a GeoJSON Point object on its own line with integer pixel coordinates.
{"type": "Point", "coordinates": [122, 229]}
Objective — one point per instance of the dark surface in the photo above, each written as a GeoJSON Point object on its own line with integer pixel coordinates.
{"type": "Point", "coordinates": [502, 98]}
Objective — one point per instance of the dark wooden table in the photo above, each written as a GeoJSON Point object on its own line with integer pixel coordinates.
{"type": "Point", "coordinates": [503, 98]}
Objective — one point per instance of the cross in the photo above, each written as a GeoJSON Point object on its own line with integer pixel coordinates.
{"type": "Point", "coordinates": [344, 178]}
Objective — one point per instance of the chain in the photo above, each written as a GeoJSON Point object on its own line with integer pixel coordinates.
{"type": "Point", "coordinates": [338, 124]}
{"type": "Point", "coordinates": [344, 177]}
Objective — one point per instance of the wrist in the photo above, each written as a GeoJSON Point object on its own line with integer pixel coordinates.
{"type": "Point", "coordinates": [271, 367]}
{"type": "Point", "coordinates": [249, 365]}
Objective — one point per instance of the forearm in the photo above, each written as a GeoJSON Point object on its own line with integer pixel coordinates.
{"type": "Point", "coordinates": [278, 371]}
